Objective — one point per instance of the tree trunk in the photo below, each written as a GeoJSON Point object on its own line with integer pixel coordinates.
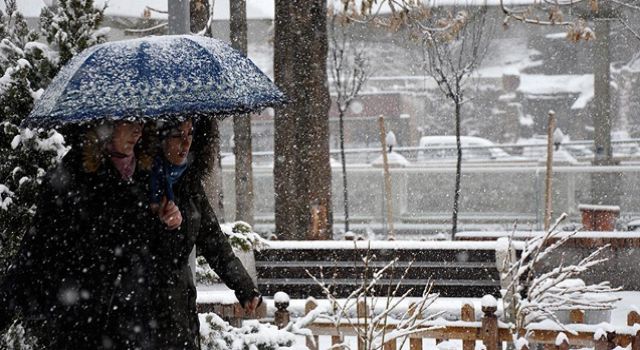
{"type": "Point", "coordinates": [242, 123]}
{"type": "Point", "coordinates": [302, 173]}
{"type": "Point", "coordinates": [345, 192]}
{"type": "Point", "coordinates": [199, 14]}
{"type": "Point", "coordinates": [212, 179]}
{"type": "Point", "coordinates": [456, 192]}
{"type": "Point", "coordinates": [211, 170]}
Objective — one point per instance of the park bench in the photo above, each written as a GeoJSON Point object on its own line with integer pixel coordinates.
{"type": "Point", "coordinates": [456, 269]}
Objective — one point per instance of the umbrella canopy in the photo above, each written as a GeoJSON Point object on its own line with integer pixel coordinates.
{"type": "Point", "coordinates": [154, 77]}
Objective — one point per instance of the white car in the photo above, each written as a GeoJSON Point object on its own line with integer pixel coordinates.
{"type": "Point", "coordinates": [473, 148]}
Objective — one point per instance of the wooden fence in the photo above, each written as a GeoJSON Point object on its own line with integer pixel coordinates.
{"type": "Point", "coordinates": [488, 330]}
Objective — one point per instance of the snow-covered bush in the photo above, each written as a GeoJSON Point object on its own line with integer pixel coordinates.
{"type": "Point", "coordinates": [204, 273]}
{"type": "Point", "coordinates": [16, 338]}
{"type": "Point", "coordinates": [73, 26]}
{"type": "Point", "coordinates": [242, 237]}
{"type": "Point", "coordinates": [26, 68]}
{"type": "Point", "coordinates": [531, 295]}
{"type": "Point", "coordinates": [216, 334]}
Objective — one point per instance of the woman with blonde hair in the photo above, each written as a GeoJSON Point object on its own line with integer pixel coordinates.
{"type": "Point", "coordinates": [76, 268]}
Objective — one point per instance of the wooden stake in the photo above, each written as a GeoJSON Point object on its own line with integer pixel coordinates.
{"type": "Point", "coordinates": [548, 198]}
{"type": "Point", "coordinates": [313, 341]}
{"type": "Point", "coordinates": [468, 314]}
{"type": "Point", "coordinates": [391, 235]}
{"type": "Point", "coordinates": [415, 343]}
{"type": "Point", "coordinates": [576, 316]}
{"type": "Point", "coordinates": [632, 318]}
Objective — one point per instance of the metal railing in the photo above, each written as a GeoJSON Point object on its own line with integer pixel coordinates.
{"type": "Point", "coordinates": [578, 152]}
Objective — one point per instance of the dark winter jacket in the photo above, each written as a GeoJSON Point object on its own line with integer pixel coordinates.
{"type": "Point", "coordinates": [175, 302]}
{"type": "Point", "coordinates": [76, 279]}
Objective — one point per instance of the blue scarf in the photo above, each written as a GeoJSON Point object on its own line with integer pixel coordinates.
{"type": "Point", "coordinates": [163, 176]}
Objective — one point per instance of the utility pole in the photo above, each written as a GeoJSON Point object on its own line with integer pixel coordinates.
{"type": "Point", "coordinates": [604, 186]}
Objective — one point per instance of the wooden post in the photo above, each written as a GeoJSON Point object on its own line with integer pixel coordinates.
{"type": "Point", "coordinates": [601, 343]}
{"type": "Point", "coordinates": [361, 311]}
{"type": "Point", "coordinates": [282, 317]}
{"type": "Point", "coordinates": [490, 328]}
{"type": "Point", "coordinates": [414, 343]}
{"type": "Point", "coordinates": [390, 345]}
{"type": "Point", "coordinates": [576, 316]}
{"type": "Point", "coordinates": [548, 195]}
{"type": "Point", "coordinates": [635, 341]}
{"type": "Point", "coordinates": [468, 314]}
{"type": "Point", "coordinates": [632, 318]}
{"type": "Point", "coordinates": [335, 340]}
{"type": "Point", "coordinates": [562, 342]}
{"type": "Point", "coordinates": [391, 235]}
{"type": "Point", "coordinates": [239, 314]}
{"type": "Point", "coordinates": [312, 342]}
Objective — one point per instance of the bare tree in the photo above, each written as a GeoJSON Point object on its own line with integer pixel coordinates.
{"type": "Point", "coordinates": [242, 123]}
{"type": "Point", "coordinates": [451, 56]}
{"type": "Point", "coordinates": [348, 66]}
{"type": "Point", "coordinates": [454, 44]}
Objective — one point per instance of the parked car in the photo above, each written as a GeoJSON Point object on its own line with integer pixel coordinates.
{"type": "Point", "coordinates": [473, 148]}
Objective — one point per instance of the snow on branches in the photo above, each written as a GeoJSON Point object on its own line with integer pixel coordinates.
{"type": "Point", "coordinates": [73, 26]}
{"type": "Point", "coordinates": [27, 66]}
{"type": "Point", "coordinates": [375, 315]}
{"type": "Point", "coordinates": [216, 334]}
{"type": "Point", "coordinates": [531, 295]}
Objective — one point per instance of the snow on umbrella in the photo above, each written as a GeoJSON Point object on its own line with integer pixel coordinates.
{"type": "Point", "coordinates": [154, 77]}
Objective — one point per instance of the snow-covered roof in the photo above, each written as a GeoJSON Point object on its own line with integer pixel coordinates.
{"type": "Point", "coordinates": [540, 84]}
{"type": "Point", "coordinates": [256, 9]}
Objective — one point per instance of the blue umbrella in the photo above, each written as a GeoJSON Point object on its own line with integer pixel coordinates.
{"type": "Point", "coordinates": [154, 77]}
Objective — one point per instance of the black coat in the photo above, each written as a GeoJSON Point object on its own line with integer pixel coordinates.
{"type": "Point", "coordinates": [175, 302]}
{"type": "Point", "coordinates": [67, 279]}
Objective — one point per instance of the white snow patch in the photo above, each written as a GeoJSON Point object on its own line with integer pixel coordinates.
{"type": "Point", "coordinates": [540, 84]}
{"type": "Point", "coordinates": [525, 120]}
{"type": "Point", "coordinates": [16, 142]}
{"type": "Point", "coordinates": [393, 159]}
{"type": "Point", "coordinates": [489, 301]}
{"type": "Point", "coordinates": [561, 338]}
{"type": "Point", "coordinates": [447, 345]}
{"type": "Point", "coordinates": [613, 208]}
{"type": "Point", "coordinates": [281, 297]}
{"type": "Point", "coordinates": [559, 35]}
{"type": "Point", "coordinates": [599, 333]}
{"type": "Point", "coordinates": [5, 197]}
{"type": "Point", "coordinates": [521, 343]}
